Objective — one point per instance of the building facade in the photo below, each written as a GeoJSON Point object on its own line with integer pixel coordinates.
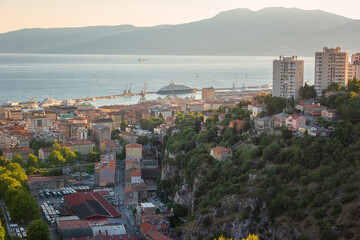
{"type": "Point", "coordinates": [331, 66]}
{"type": "Point", "coordinates": [288, 77]}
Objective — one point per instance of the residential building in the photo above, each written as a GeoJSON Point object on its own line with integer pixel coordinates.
{"type": "Point", "coordinates": [101, 132]}
{"type": "Point", "coordinates": [14, 114]}
{"type": "Point", "coordinates": [134, 150]}
{"type": "Point", "coordinates": [355, 62]}
{"type": "Point", "coordinates": [83, 146]}
{"type": "Point", "coordinates": [264, 124]}
{"type": "Point", "coordinates": [279, 119]}
{"type": "Point", "coordinates": [331, 66]}
{"type": "Point", "coordinates": [288, 77]}
{"type": "Point", "coordinates": [11, 141]}
{"type": "Point", "coordinates": [208, 93]}
{"type": "Point", "coordinates": [82, 133]}
{"type": "Point", "coordinates": [329, 114]}
{"type": "Point", "coordinates": [129, 137]}
{"type": "Point", "coordinates": [44, 153]}
{"type": "Point", "coordinates": [24, 152]}
{"type": "Point", "coordinates": [221, 153]}
{"type": "Point", "coordinates": [256, 108]}
{"type": "Point", "coordinates": [136, 176]}
{"type": "Point", "coordinates": [110, 147]}
{"type": "Point", "coordinates": [38, 122]}
{"type": "Point", "coordinates": [105, 171]}
{"type": "Point", "coordinates": [293, 122]}
{"type": "Point", "coordinates": [238, 124]}
{"type": "Point", "coordinates": [135, 193]}
{"type": "Point", "coordinates": [151, 232]}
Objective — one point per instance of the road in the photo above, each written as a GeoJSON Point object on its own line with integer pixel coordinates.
{"type": "Point", "coordinates": [119, 188]}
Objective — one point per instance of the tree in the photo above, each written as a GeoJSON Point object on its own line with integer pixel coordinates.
{"type": "Point", "coordinates": [32, 161]}
{"type": "Point", "coordinates": [354, 85]}
{"type": "Point", "coordinates": [18, 159]}
{"type": "Point", "coordinates": [93, 157]}
{"type": "Point", "coordinates": [38, 230]}
{"type": "Point", "coordinates": [17, 172]}
{"type": "Point", "coordinates": [69, 155]}
{"type": "Point", "coordinates": [333, 87]}
{"type": "Point", "coordinates": [55, 158]}
{"type": "Point", "coordinates": [307, 92]}
{"type": "Point", "coordinates": [142, 139]}
{"type": "Point", "coordinates": [24, 208]}
{"type": "Point", "coordinates": [275, 104]}
{"type": "Point", "coordinates": [123, 125]}
{"type": "Point", "coordinates": [11, 192]}
{"type": "Point", "coordinates": [2, 232]}
{"type": "Point", "coordinates": [3, 161]}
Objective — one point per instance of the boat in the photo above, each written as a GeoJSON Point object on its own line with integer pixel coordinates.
{"type": "Point", "coordinates": [174, 88]}
{"type": "Point", "coordinates": [142, 59]}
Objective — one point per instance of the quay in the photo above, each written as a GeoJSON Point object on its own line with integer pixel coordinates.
{"type": "Point", "coordinates": [230, 91]}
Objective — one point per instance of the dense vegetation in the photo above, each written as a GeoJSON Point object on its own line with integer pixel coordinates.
{"type": "Point", "coordinates": [311, 182]}
{"type": "Point", "coordinates": [13, 189]}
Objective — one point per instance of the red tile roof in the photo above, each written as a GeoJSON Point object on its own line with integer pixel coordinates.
{"type": "Point", "coordinates": [221, 149]}
{"type": "Point", "coordinates": [133, 145]}
{"type": "Point", "coordinates": [136, 173]}
{"type": "Point", "coordinates": [84, 199]}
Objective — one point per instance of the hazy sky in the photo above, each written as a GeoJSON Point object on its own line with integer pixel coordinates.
{"type": "Point", "coordinates": [17, 14]}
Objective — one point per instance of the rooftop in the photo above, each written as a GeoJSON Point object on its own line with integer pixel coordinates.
{"type": "Point", "coordinates": [90, 204]}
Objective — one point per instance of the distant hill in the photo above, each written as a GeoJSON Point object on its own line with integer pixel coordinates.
{"type": "Point", "coordinates": [270, 31]}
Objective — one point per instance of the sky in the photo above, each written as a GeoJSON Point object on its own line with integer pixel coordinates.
{"type": "Point", "coordinates": [18, 14]}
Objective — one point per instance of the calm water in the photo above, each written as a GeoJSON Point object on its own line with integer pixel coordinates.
{"type": "Point", "coordinates": [78, 76]}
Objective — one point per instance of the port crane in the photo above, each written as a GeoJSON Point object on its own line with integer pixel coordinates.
{"type": "Point", "coordinates": [125, 91]}
{"type": "Point", "coordinates": [234, 84]}
{"type": "Point", "coordinates": [129, 90]}
{"type": "Point", "coordinates": [243, 85]}
{"type": "Point", "coordinates": [143, 93]}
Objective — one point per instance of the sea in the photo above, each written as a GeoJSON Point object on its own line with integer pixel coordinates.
{"type": "Point", "coordinates": [25, 76]}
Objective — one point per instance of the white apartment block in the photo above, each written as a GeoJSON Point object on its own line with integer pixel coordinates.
{"type": "Point", "coordinates": [82, 134]}
{"type": "Point", "coordinates": [331, 66]}
{"type": "Point", "coordinates": [38, 122]}
{"type": "Point", "coordinates": [288, 77]}
{"type": "Point", "coordinates": [355, 63]}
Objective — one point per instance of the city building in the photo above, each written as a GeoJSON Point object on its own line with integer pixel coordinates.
{"type": "Point", "coordinates": [44, 153]}
{"type": "Point", "coordinates": [293, 122]}
{"type": "Point", "coordinates": [82, 133]}
{"type": "Point", "coordinates": [101, 132]}
{"type": "Point", "coordinates": [89, 205]}
{"type": "Point", "coordinates": [38, 122]}
{"type": "Point", "coordinates": [221, 153]}
{"type": "Point", "coordinates": [288, 77]}
{"type": "Point", "coordinates": [110, 147]}
{"type": "Point", "coordinates": [105, 171]}
{"type": "Point", "coordinates": [11, 141]}
{"type": "Point", "coordinates": [331, 66]}
{"type": "Point", "coordinates": [238, 124]}
{"type": "Point", "coordinates": [208, 93]}
{"type": "Point", "coordinates": [129, 137]}
{"type": "Point", "coordinates": [256, 108]}
{"type": "Point", "coordinates": [83, 146]}
{"type": "Point", "coordinates": [355, 62]}
{"type": "Point", "coordinates": [23, 152]}
{"type": "Point", "coordinates": [329, 114]}
{"type": "Point", "coordinates": [134, 150]}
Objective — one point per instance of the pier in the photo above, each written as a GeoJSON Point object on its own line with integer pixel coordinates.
{"type": "Point", "coordinates": [223, 90]}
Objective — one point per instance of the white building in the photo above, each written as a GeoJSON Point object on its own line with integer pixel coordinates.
{"type": "Point", "coordinates": [355, 65]}
{"type": "Point", "coordinates": [82, 134]}
{"type": "Point", "coordinates": [288, 77]}
{"type": "Point", "coordinates": [38, 122]}
{"type": "Point", "coordinates": [331, 66]}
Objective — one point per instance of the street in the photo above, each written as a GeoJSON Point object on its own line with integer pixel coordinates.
{"type": "Point", "coordinates": [126, 213]}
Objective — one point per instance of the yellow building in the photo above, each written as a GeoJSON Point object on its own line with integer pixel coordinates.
{"type": "Point", "coordinates": [134, 150]}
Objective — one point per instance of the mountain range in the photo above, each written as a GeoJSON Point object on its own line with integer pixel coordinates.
{"type": "Point", "coordinates": [267, 32]}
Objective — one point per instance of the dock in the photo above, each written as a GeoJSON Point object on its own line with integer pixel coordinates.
{"type": "Point", "coordinates": [224, 90]}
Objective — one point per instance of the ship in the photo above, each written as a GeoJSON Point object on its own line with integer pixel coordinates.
{"type": "Point", "coordinates": [174, 88]}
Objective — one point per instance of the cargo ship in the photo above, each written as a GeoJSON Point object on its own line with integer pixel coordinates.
{"type": "Point", "coordinates": [174, 88]}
